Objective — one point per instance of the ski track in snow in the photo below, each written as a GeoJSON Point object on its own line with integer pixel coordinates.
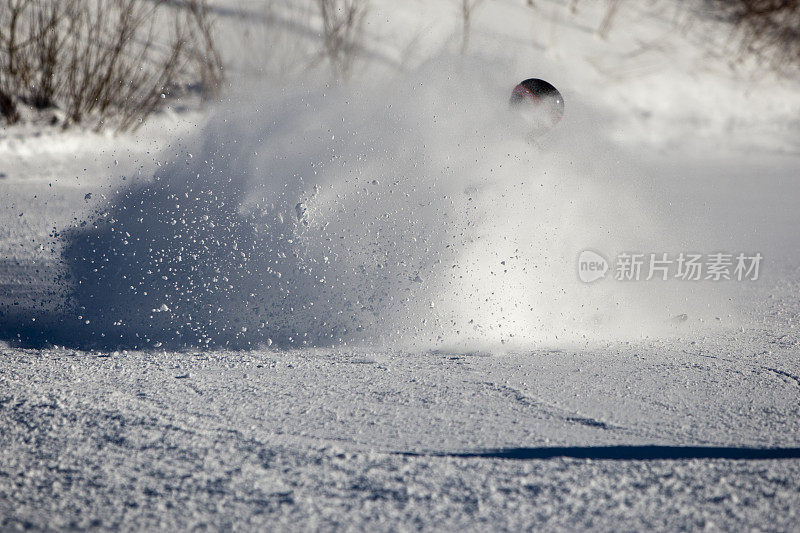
{"type": "Point", "coordinates": [287, 437]}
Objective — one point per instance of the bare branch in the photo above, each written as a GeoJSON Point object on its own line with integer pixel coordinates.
{"type": "Point", "coordinates": [342, 32]}
{"type": "Point", "coordinates": [104, 60]}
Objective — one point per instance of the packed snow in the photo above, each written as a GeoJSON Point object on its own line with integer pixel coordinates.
{"type": "Point", "coordinates": [357, 305]}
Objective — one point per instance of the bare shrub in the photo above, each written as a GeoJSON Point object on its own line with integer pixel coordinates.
{"type": "Point", "coordinates": [342, 32]}
{"type": "Point", "coordinates": [467, 8]}
{"type": "Point", "coordinates": [612, 8]}
{"type": "Point", "coordinates": [8, 108]}
{"type": "Point", "coordinates": [769, 29]}
{"type": "Point", "coordinates": [102, 60]}
{"type": "Point", "coordinates": [11, 20]}
{"type": "Point", "coordinates": [205, 54]}
{"type": "Point", "coordinates": [44, 56]}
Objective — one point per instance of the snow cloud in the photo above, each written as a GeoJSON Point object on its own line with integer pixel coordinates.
{"type": "Point", "coordinates": [411, 211]}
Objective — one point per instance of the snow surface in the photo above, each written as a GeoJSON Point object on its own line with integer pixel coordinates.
{"type": "Point", "coordinates": [347, 306]}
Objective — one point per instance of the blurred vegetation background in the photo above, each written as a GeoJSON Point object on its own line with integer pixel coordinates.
{"type": "Point", "coordinates": [112, 63]}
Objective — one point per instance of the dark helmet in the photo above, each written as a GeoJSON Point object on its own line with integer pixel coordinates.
{"type": "Point", "coordinates": [542, 95]}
